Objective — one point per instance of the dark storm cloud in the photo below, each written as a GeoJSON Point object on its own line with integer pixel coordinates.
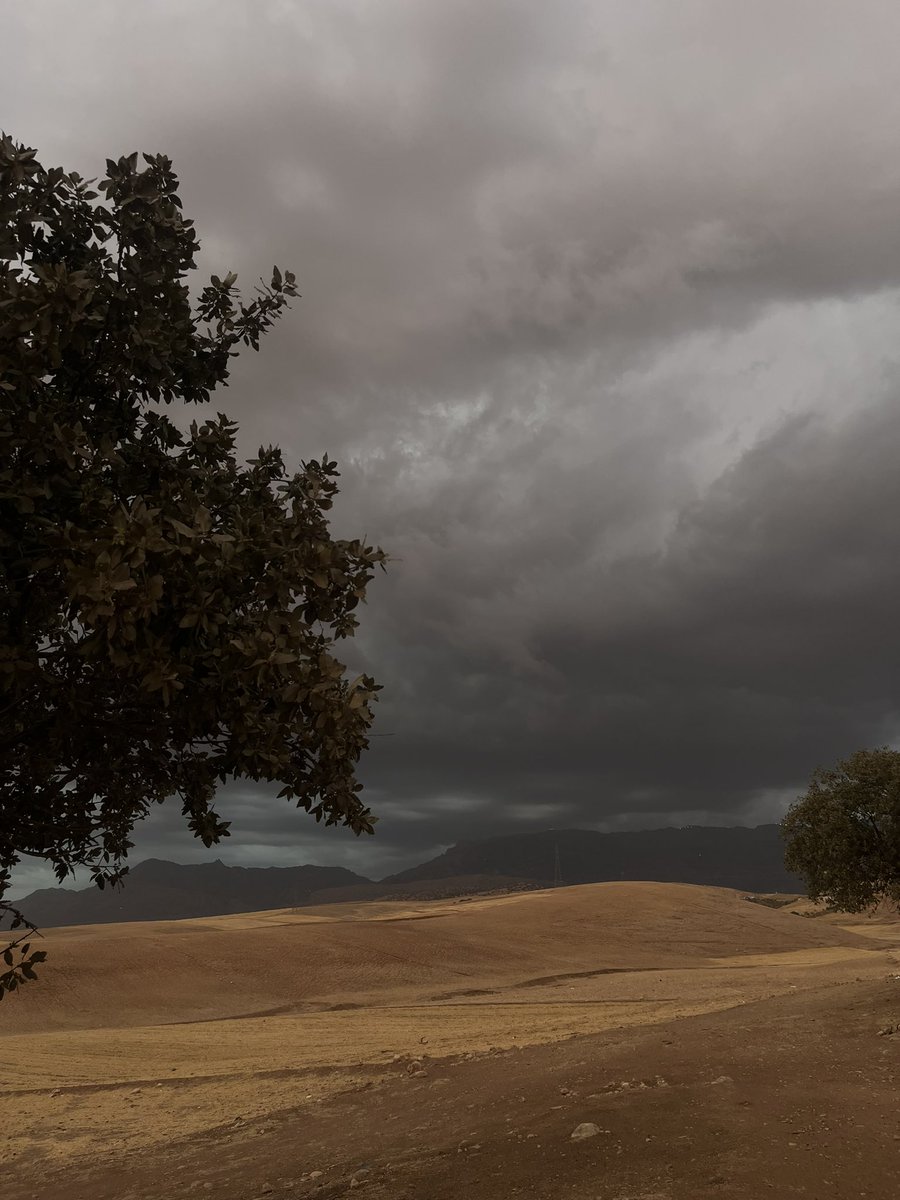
{"type": "Point", "coordinates": [757, 642]}
{"type": "Point", "coordinates": [599, 316]}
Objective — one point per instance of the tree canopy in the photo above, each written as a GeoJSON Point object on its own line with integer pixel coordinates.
{"type": "Point", "coordinates": [843, 835]}
{"type": "Point", "coordinates": [168, 614]}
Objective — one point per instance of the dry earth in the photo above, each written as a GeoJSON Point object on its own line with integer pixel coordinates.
{"type": "Point", "coordinates": [447, 1048]}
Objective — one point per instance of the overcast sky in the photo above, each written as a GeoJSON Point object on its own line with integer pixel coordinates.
{"type": "Point", "coordinates": [600, 318]}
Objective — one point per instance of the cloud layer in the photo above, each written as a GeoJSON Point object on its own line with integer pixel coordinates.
{"type": "Point", "coordinates": [599, 316]}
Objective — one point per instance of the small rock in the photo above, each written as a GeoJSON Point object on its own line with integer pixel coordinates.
{"type": "Point", "coordinates": [266, 1189]}
{"type": "Point", "coordinates": [423, 1041]}
{"type": "Point", "coordinates": [721, 1079]}
{"type": "Point", "coordinates": [587, 1129]}
{"type": "Point", "coordinates": [315, 1175]}
{"type": "Point", "coordinates": [135, 1091]}
{"type": "Point", "coordinates": [887, 1030]}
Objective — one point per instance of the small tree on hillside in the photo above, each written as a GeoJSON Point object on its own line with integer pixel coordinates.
{"type": "Point", "coordinates": [167, 614]}
{"type": "Point", "coordinates": [843, 835]}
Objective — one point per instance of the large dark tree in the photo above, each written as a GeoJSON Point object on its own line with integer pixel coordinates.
{"type": "Point", "coordinates": [843, 835]}
{"type": "Point", "coordinates": [168, 614]}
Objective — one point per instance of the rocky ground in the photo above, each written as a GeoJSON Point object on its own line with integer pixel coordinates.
{"type": "Point", "coordinates": [792, 1096]}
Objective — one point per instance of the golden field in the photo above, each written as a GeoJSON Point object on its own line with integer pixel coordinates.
{"type": "Point", "coordinates": [140, 1039]}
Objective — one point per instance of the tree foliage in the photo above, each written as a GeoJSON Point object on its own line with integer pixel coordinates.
{"type": "Point", "coordinates": [843, 835]}
{"type": "Point", "coordinates": [168, 614]}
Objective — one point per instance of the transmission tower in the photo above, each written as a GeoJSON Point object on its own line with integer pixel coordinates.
{"type": "Point", "coordinates": [557, 869]}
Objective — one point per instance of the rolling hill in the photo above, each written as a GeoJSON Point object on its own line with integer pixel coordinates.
{"type": "Point", "coordinates": [279, 961]}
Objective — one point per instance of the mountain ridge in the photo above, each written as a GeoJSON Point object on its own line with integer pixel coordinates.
{"type": "Point", "coordinates": [747, 858]}
{"type": "Point", "coordinates": [720, 856]}
{"type": "Point", "coordinates": [159, 890]}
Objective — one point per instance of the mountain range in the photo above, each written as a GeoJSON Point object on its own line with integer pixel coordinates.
{"type": "Point", "coordinates": [154, 890]}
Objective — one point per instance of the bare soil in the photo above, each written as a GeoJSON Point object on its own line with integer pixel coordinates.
{"type": "Point", "coordinates": [721, 1048]}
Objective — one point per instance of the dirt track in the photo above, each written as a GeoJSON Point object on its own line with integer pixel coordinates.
{"type": "Point", "coordinates": [763, 1072]}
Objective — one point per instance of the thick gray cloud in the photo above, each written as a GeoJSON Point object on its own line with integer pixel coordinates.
{"type": "Point", "coordinates": [600, 308]}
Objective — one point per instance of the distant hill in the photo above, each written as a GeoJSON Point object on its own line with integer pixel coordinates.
{"type": "Point", "coordinates": [747, 859]}
{"type": "Point", "coordinates": [156, 890]}
{"type": "Point", "coordinates": [752, 859]}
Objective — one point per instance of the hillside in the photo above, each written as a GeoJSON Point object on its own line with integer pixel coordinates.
{"type": "Point", "coordinates": [737, 857]}
{"type": "Point", "coordinates": [460, 1044]}
{"type": "Point", "coordinates": [155, 890]}
{"type": "Point", "coordinates": [286, 960]}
